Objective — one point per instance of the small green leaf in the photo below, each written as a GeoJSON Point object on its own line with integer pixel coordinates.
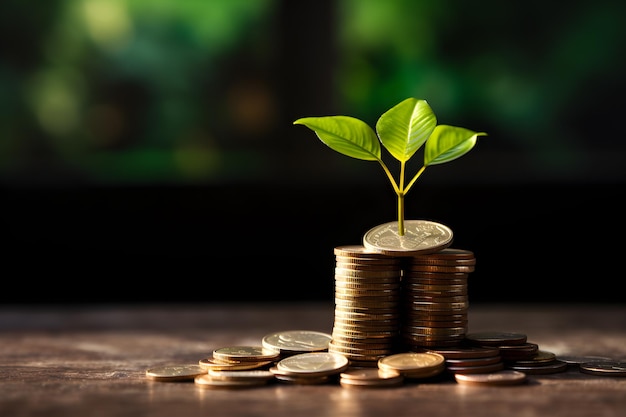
{"type": "Point", "coordinates": [346, 135]}
{"type": "Point", "coordinates": [404, 128]}
{"type": "Point", "coordinates": [447, 143]}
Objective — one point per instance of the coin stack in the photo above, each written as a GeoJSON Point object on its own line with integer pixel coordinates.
{"type": "Point", "coordinates": [367, 301]}
{"type": "Point", "coordinates": [435, 300]}
{"type": "Point", "coordinates": [518, 353]}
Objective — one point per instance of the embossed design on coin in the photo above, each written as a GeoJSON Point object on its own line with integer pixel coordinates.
{"type": "Point", "coordinates": [420, 237]}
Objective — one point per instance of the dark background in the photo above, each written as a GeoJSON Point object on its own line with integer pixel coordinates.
{"type": "Point", "coordinates": [147, 151]}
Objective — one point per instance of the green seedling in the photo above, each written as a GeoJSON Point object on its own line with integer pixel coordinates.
{"type": "Point", "coordinates": [402, 130]}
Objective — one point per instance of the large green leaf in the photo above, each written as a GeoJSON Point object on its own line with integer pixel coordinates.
{"type": "Point", "coordinates": [404, 128]}
{"type": "Point", "coordinates": [448, 143]}
{"type": "Point", "coordinates": [347, 135]}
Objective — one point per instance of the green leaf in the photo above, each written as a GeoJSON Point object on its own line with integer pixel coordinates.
{"type": "Point", "coordinates": [448, 143]}
{"type": "Point", "coordinates": [404, 128]}
{"type": "Point", "coordinates": [347, 135]}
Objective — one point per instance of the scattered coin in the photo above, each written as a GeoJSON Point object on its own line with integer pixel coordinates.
{"type": "Point", "coordinates": [547, 368]}
{"type": "Point", "coordinates": [420, 237]}
{"type": "Point", "coordinates": [414, 364]}
{"type": "Point", "coordinates": [541, 357]}
{"type": "Point", "coordinates": [245, 353]}
{"type": "Point", "coordinates": [604, 368]}
{"type": "Point", "coordinates": [504, 377]}
{"type": "Point", "coordinates": [175, 373]}
{"type": "Point", "coordinates": [495, 338]}
{"type": "Point", "coordinates": [313, 364]}
{"type": "Point", "coordinates": [255, 374]}
{"type": "Point", "coordinates": [468, 352]}
{"type": "Point", "coordinates": [207, 381]}
{"type": "Point", "coordinates": [520, 351]}
{"type": "Point", "coordinates": [303, 379]}
{"type": "Point", "coordinates": [478, 369]}
{"type": "Point", "coordinates": [370, 377]}
{"type": "Point", "coordinates": [210, 363]}
{"type": "Point", "coordinates": [576, 360]}
{"type": "Point", "coordinates": [299, 341]}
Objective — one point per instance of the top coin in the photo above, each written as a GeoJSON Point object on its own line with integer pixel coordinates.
{"type": "Point", "coordinates": [420, 237]}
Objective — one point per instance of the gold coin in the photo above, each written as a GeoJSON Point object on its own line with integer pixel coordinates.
{"type": "Point", "coordinates": [297, 341]}
{"type": "Point", "coordinates": [366, 304]}
{"type": "Point", "coordinates": [411, 362]}
{"type": "Point", "coordinates": [367, 266]}
{"type": "Point", "coordinates": [360, 351]}
{"type": "Point", "coordinates": [420, 237]}
{"type": "Point", "coordinates": [174, 373]}
{"type": "Point", "coordinates": [434, 331]}
{"type": "Point", "coordinates": [246, 353]}
{"type": "Point", "coordinates": [207, 381]}
{"type": "Point", "coordinates": [372, 293]}
{"type": "Point", "coordinates": [366, 273]}
{"type": "Point", "coordinates": [210, 363]}
{"type": "Point", "coordinates": [359, 251]}
{"type": "Point", "coordinates": [370, 377]}
{"type": "Point", "coordinates": [255, 374]}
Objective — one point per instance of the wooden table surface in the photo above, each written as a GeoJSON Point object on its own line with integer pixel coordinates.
{"type": "Point", "coordinates": [91, 361]}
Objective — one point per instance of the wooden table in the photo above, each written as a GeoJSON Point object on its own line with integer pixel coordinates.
{"type": "Point", "coordinates": [91, 361]}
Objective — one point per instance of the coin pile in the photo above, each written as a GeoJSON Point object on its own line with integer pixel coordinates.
{"type": "Point", "coordinates": [517, 352]}
{"type": "Point", "coordinates": [310, 368]}
{"type": "Point", "coordinates": [367, 300]}
{"type": "Point", "coordinates": [303, 358]}
{"type": "Point", "coordinates": [401, 306]}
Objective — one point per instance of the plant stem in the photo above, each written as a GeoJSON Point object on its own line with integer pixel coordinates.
{"type": "Point", "coordinates": [401, 214]}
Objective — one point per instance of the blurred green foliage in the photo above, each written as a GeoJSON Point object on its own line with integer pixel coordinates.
{"type": "Point", "coordinates": [183, 92]}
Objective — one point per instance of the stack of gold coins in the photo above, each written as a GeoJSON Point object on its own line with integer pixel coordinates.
{"type": "Point", "coordinates": [367, 297]}
{"type": "Point", "coordinates": [435, 300]}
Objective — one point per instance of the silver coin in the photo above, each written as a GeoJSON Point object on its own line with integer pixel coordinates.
{"type": "Point", "coordinates": [420, 237]}
{"type": "Point", "coordinates": [606, 368]}
{"type": "Point", "coordinates": [314, 364]}
{"type": "Point", "coordinates": [297, 341]}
